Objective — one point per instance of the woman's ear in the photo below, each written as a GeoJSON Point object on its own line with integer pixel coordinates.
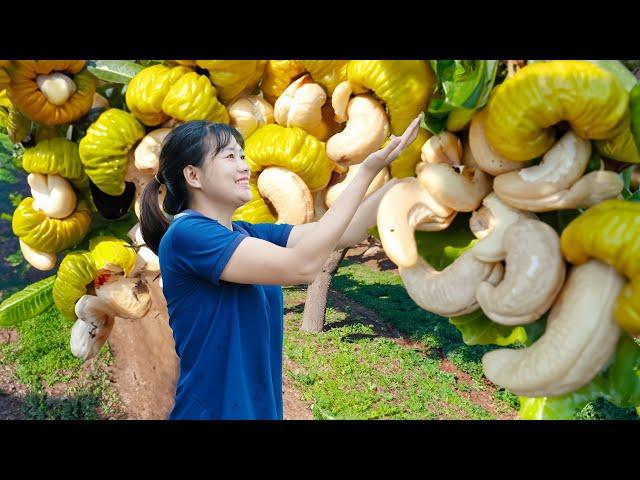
{"type": "Point", "coordinates": [191, 176]}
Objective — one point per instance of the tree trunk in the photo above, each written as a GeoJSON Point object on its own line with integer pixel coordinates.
{"type": "Point", "coordinates": [316, 302]}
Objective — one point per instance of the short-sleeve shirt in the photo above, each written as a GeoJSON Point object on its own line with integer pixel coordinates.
{"type": "Point", "coordinates": [227, 335]}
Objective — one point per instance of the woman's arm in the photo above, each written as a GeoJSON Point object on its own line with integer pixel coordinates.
{"type": "Point", "coordinates": [258, 261]}
{"type": "Point", "coordinates": [357, 231]}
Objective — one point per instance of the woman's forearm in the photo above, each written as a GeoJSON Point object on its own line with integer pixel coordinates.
{"type": "Point", "coordinates": [315, 247]}
{"type": "Point", "coordinates": [364, 218]}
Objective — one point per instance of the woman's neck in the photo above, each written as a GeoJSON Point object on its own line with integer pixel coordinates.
{"type": "Point", "coordinates": [216, 212]}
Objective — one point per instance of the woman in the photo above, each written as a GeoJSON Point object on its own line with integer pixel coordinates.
{"type": "Point", "coordinates": [222, 280]}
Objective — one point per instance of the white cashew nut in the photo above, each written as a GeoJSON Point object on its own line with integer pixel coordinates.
{"type": "Point", "coordinates": [52, 194]}
{"type": "Point", "coordinates": [460, 188]}
{"type": "Point", "coordinates": [340, 100]}
{"type": "Point", "coordinates": [590, 190]}
{"type": "Point", "coordinates": [407, 207]}
{"type": "Point", "coordinates": [580, 338]}
{"type": "Point", "coordinates": [40, 260]}
{"type": "Point", "coordinates": [535, 272]}
{"type": "Point", "coordinates": [288, 194]}
{"type": "Point", "coordinates": [452, 291]}
{"type": "Point", "coordinates": [300, 105]}
{"type": "Point", "coordinates": [489, 224]}
{"type": "Point", "coordinates": [128, 297]}
{"type": "Point", "coordinates": [56, 87]}
{"type": "Point", "coordinates": [248, 113]}
{"type": "Point", "coordinates": [365, 132]}
{"type": "Point", "coordinates": [147, 153]}
{"type": "Point", "coordinates": [91, 330]}
{"type": "Point", "coordinates": [332, 192]}
{"type": "Point", "coordinates": [486, 157]}
{"type": "Point", "coordinates": [543, 187]}
{"type": "Point", "coordinates": [444, 147]}
{"type": "Point", "coordinates": [146, 260]}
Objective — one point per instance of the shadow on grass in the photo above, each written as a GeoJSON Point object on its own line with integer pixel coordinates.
{"type": "Point", "coordinates": [392, 304]}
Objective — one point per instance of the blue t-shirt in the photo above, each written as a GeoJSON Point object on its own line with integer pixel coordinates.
{"type": "Point", "coordinates": [228, 335]}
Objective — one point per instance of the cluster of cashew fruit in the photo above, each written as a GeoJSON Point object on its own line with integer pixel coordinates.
{"type": "Point", "coordinates": [315, 121]}
{"type": "Point", "coordinates": [516, 270]}
{"type": "Point", "coordinates": [94, 287]}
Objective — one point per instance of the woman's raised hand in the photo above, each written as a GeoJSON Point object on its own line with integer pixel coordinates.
{"type": "Point", "coordinates": [377, 160]}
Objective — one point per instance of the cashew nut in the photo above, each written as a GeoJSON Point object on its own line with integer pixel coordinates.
{"type": "Point", "coordinates": [39, 260]}
{"type": "Point", "coordinates": [146, 260]}
{"type": "Point", "coordinates": [543, 187]}
{"type": "Point", "coordinates": [300, 105]}
{"type": "Point", "coordinates": [128, 297]}
{"type": "Point", "coordinates": [248, 113]}
{"type": "Point", "coordinates": [535, 271]}
{"type": "Point", "coordinates": [288, 194]}
{"type": "Point", "coordinates": [580, 338]}
{"type": "Point", "coordinates": [334, 191]}
{"type": "Point", "coordinates": [147, 153]}
{"type": "Point", "coordinates": [407, 207]}
{"type": "Point", "coordinates": [53, 194]}
{"type": "Point", "coordinates": [92, 328]}
{"type": "Point", "coordinates": [367, 127]}
{"type": "Point", "coordinates": [452, 291]}
{"type": "Point", "coordinates": [340, 100]}
{"type": "Point", "coordinates": [487, 158]}
{"type": "Point", "coordinates": [56, 87]}
{"type": "Point", "coordinates": [459, 187]}
{"type": "Point", "coordinates": [489, 224]}
{"type": "Point", "coordinates": [444, 147]}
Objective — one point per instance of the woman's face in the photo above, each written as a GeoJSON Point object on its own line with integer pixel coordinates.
{"type": "Point", "coordinates": [225, 176]}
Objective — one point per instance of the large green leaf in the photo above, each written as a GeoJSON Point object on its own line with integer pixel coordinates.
{"type": "Point", "coordinates": [27, 303]}
{"type": "Point", "coordinates": [478, 329]}
{"type": "Point", "coordinates": [463, 86]}
{"type": "Point", "coordinates": [115, 71]}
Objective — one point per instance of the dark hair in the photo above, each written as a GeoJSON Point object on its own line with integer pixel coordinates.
{"type": "Point", "coordinates": [187, 144]}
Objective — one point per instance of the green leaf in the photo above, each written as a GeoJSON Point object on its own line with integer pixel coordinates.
{"type": "Point", "coordinates": [619, 384]}
{"type": "Point", "coordinates": [557, 408]}
{"type": "Point", "coordinates": [478, 329]}
{"type": "Point", "coordinates": [116, 71]}
{"type": "Point", "coordinates": [616, 67]}
{"type": "Point", "coordinates": [634, 197]}
{"type": "Point", "coordinates": [626, 175]}
{"type": "Point", "coordinates": [27, 303]}
{"type": "Point", "coordinates": [462, 84]}
{"type": "Point", "coordinates": [623, 375]}
{"type": "Point", "coordinates": [595, 162]}
{"type": "Point", "coordinates": [6, 216]}
{"type": "Point", "coordinates": [15, 259]}
{"type": "Point", "coordinates": [15, 199]}
{"type": "Point", "coordinates": [6, 176]}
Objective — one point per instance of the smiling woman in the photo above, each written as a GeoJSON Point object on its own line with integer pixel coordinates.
{"type": "Point", "coordinates": [222, 279]}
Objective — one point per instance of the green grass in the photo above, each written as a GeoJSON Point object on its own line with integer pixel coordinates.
{"type": "Point", "coordinates": [348, 371]}
{"type": "Point", "coordinates": [42, 359]}
{"type": "Point", "coordinates": [384, 293]}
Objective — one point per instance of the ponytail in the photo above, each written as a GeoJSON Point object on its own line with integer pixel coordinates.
{"type": "Point", "coordinates": [153, 223]}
